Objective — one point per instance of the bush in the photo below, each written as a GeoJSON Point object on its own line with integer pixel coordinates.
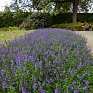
{"type": "Point", "coordinates": [71, 26]}
{"type": "Point", "coordinates": [4, 29]}
{"type": "Point", "coordinates": [27, 25]}
{"type": "Point", "coordinates": [37, 20]}
{"type": "Point", "coordinates": [12, 18]}
{"type": "Point", "coordinates": [46, 61]}
{"type": "Point", "coordinates": [9, 28]}
{"type": "Point", "coordinates": [61, 18]}
{"type": "Point", "coordinates": [13, 28]}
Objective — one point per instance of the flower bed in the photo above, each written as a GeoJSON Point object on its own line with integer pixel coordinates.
{"type": "Point", "coordinates": [45, 61]}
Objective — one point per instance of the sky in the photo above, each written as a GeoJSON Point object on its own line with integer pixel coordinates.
{"type": "Point", "coordinates": [3, 3]}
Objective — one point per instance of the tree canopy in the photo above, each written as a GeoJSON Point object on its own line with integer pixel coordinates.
{"type": "Point", "coordinates": [57, 6]}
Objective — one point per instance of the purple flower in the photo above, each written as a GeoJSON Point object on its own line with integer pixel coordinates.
{"type": "Point", "coordinates": [33, 78]}
{"type": "Point", "coordinates": [71, 71]}
{"type": "Point", "coordinates": [58, 90]}
{"type": "Point", "coordinates": [80, 65]}
{"type": "Point", "coordinates": [43, 83]}
{"type": "Point", "coordinates": [4, 85]}
{"type": "Point", "coordinates": [31, 58]}
{"type": "Point", "coordinates": [61, 74]}
{"type": "Point", "coordinates": [20, 87]}
{"type": "Point", "coordinates": [12, 61]}
{"type": "Point", "coordinates": [40, 78]}
{"type": "Point", "coordinates": [41, 90]}
{"type": "Point", "coordinates": [86, 87]}
{"type": "Point", "coordinates": [39, 83]}
{"type": "Point", "coordinates": [85, 74]}
{"type": "Point", "coordinates": [23, 90]}
{"type": "Point", "coordinates": [47, 80]}
{"type": "Point", "coordinates": [55, 71]}
{"type": "Point", "coordinates": [49, 55]}
{"type": "Point", "coordinates": [41, 73]}
{"type": "Point", "coordinates": [6, 77]}
{"type": "Point", "coordinates": [57, 76]}
{"type": "Point", "coordinates": [49, 69]}
{"type": "Point", "coordinates": [29, 87]}
{"type": "Point", "coordinates": [76, 91]}
{"type": "Point", "coordinates": [74, 82]}
{"type": "Point", "coordinates": [47, 65]}
{"type": "Point", "coordinates": [4, 60]}
{"type": "Point", "coordinates": [35, 86]}
{"type": "Point", "coordinates": [66, 77]}
{"type": "Point", "coordinates": [51, 80]}
{"type": "Point", "coordinates": [36, 67]}
{"type": "Point", "coordinates": [87, 82]}
{"type": "Point", "coordinates": [41, 63]}
{"type": "Point", "coordinates": [71, 87]}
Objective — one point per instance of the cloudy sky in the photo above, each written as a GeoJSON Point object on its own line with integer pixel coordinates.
{"type": "Point", "coordinates": [3, 3]}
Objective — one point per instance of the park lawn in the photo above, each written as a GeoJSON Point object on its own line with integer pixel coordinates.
{"type": "Point", "coordinates": [10, 35]}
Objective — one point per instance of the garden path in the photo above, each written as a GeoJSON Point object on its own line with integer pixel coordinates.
{"type": "Point", "coordinates": [89, 36]}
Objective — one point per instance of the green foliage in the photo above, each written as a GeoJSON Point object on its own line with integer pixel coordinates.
{"type": "Point", "coordinates": [67, 17]}
{"type": "Point", "coordinates": [37, 20]}
{"type": "Point", "coordinates": [6, 20]}
{"type": "Point", "coordinates": [82, 17]}
{"type": "Point", "coordinates": [54, 7]}
{"type": "Point", "coordinates": [58, 6]}
{"type": "Point", "coordinates": [12, 19]}
{"type": "Point", "coordinates": [70, 26]}
{"type": "Point", "coordinates": [47, 61]}
{"type": "Point", "coordinates": [15, 19]}
{"type": "Point", "coordinates": [4, 29]}
{"type": "Point", "coordinates": [9, 28]}
{"type": "Point", "coordinates": [13, 28]}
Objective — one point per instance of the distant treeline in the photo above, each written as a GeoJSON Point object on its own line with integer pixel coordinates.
{"type": "Point", "coordinates": [15, 19]}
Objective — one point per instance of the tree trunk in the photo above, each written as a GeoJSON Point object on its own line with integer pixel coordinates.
{"type": "Point", "coordinates": [75, 7]}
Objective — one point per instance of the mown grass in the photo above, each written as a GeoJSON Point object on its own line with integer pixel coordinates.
{"type": "Point", "coordinates": [10, 35]}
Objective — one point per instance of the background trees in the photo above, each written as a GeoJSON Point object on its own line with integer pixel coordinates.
{"type": "Point", "coordinates": [12, 16]}
{"type": "Point", "coordinates": [15, 14]}
{"type": "Point", "coordinates": [57, 6]}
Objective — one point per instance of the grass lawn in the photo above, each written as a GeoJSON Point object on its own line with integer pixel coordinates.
{"type": "Point", "coordinates": [10, 35]}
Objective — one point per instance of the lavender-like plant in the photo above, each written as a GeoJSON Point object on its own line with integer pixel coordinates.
{"type": "Point", "coordinates": [46, 61]}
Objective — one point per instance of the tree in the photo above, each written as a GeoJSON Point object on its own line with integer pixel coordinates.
{"type": "Point", "coordinates": [59, 5]}
{"type": "Point", "coordinates": [75, 7]}
{"type": "Point", "coordinates": [83, 4]}
{"type": "Point", "coordinates": [7, 9]}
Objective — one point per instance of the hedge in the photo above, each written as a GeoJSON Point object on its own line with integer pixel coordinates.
{"type": "Point", "coordinates": [67, 18]}
{"type": "Point", "coordinates": [12, 19]}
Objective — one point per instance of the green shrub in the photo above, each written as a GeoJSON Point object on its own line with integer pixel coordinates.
{"type": "Point", "coordinates": [67, 17]}
{"type": "Point", "coordinates": [71, 26]}
{"type": "Point", "coordinates": [4, 29]}
{"type": "Point", "coordinates": [13, 28]}
{"type": "Point", "coordinates": [9, 28]}
{"type": "Point", "coordinates": [36, 20]}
